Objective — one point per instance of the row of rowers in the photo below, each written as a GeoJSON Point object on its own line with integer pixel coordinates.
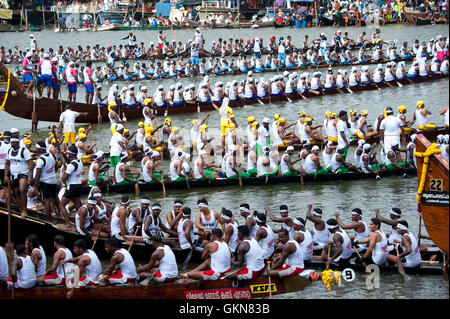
{"type": "Point", "coordinates": [252, 88]}
{"type": "Point", "coordinates": [248, 246]}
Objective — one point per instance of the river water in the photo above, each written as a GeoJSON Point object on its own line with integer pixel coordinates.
{"type": "Point", "coordinates": [330, 196]}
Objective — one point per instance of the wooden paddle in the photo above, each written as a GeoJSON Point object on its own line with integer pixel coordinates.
{"type": "Point", "coordinates": [314, 91]}
{"type": "Point", "coordinates": [379, 89]}
{"type": "Point", "coordinates": [189, 256]}
{"type": "Point", "coordinates": [93, 138]}
{"type": "Point", "coordinates": [401, 270]}
{"type": "Point", "coordinates": [303, 97]}
{"type": "Point", "coordinates": [132, 240]}
{"type": "Point", "coordinates": [136, 189]}
{"type": "Point", "coordinates": [270, 279]}
{"type": "Point", "coordinates": [260, 102]}
{"type": "Point", "coordinates": [444, 269]}
{"type": "Point", "coordinates": [34, 115]}
{"type": "Point", "coordinates": [231, 273]}
{"type": "Point", "coordinates": [349, 90]}
{"type": "Point", "coordinates": [163, 186]}
{"type": "Point", "coordinates": [99, 116]}
{"type": "Point", "coordinates": [98, 235]}
{"type": "Point", "coordinates": [399, 84]}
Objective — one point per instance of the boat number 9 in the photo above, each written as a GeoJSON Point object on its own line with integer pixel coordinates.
{"type": "Point", "coordinates": [348, 274]}
{"type": "Point", "coordinates": [436, 185]}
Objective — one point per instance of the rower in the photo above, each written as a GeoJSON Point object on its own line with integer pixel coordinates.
{"type": "Point", "coordinates": [287, 221]}
{"type": "Point", "coordinates": [353, 78]}
{"type": "Point", "coordinates": [413, 72]}
{"type": "Point", "coordinates": [312, 163]}
{"type": "Point", "coordinates": [250, 254]}
{"type": "Point", "coordinates": [37, 254]}
{"type": "Point", "coordinates": [83, 149]}
{"type": "Point", "coordinates": [164, 258]}
{"type": "Point", "coordinates": [23, 271]}
{"type": "Point", "coordinates": [45, 178]}
{"type": "Point", "coordinates": [327, 153]}
{"type": "Point", "coordinates": [377, 250]}
{"type": "Point", "coordinates": [121, 259]}
{"type": "Point", "coordinates": [114, 118]}
{"type": "Point", "coordinates": [250, 221]}
{"type": "Point", "coordinates": [330, 82]}
{"type": "Point", "coordinates": [86, 218]}
{"type": "Point", "coordinates": [320, 233]}
{"type": "Point", "coordinates": [58, 273]}
{"type": "Point", "coordinates": [87, 261]}
{"type": "Point", "coordinates": [304, 238]}
{"type": "Point", "coordinates": [230, 165]}
{"type": "Point", "coordinates": [338, 165]}
{"type": "Point", "coordinates": [421, 119]}
{"type": "Point", "coordinates": [206, 221]}
{"type": "Point", "coordinates": [122, 172]}
{"type": "Point", "coordinates": [67, 121]}
{"type": "Point", "coordinates": [264, 236]}
{"type": "Point", "coordinates": [138, 215]}
{"type": "Point", "coordinates": [410, 257]}
{"type": "Point", "coordinates": [203, 170]}
{"type": "Point", "coordinates": [367, 162]}
{"type": "Point", "coordinates": [358, 225]}
{"type": "Point", "coordinates": [341, 245]}
{"type": "Point", "coordinates": [411, 149]}
{"type": "Point", "coordinates": [263, 139]}
{"type": "Point", "coordinates": [220, 261]}
{"type": "Point", "coordinates": [265, 166]}
{"type": "Point", "coordinates": [286, 165]}
{"type": "Point", "coordinates": [290, 263]}
{"type": "Point", "coordinates": [363, 131]}
{"type": "Point", "coordinates": [185, 232]}
{"type": "Point", "coordinates": [230, 230]}
{"type": "Point", "coordinates": [177, 167]}
{"type": "Point", "coordinates": [394, 238]}
{"type": "Point", "coordinates": [152, 225]}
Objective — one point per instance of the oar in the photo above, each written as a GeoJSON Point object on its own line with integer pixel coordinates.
{"type": "Point", "coordinates": [231, 273]}
{"type": "Point", "coordinates": [98, 235]}
{"type": "Point", "coordinates": [444, 270]}
{"type": "Point", "coordinates": [132, 240]}
{"type": "Point", "coordinates": [34, 114]}
{"type": "Point", "coordinates": [349, 90]}
{"type": "Point", "coordinates": [99, 116]}
{"type": "Point", "coordinates": [93, 137]}
{"type": "Point", "coordinates": [303, 97]}
{"type": "Point", "coordinates": [270, 279]}
{"type": "Point", "coordinates": [187, 182]}
{"type": "Point", "coordinates": [163, 186]}
{"type": "Point", "coordinates": [399, 84]}
{"type": "Point", "coordinates": [401, 270]}
{"type": "Point", "coordinates": [189, 256]}
{"type": "Point", "coordinates": [379, 89]}
{"type": "Point", "coordinates": [260, 102]}
{"type": "Point", "coordinates": [136, 189]}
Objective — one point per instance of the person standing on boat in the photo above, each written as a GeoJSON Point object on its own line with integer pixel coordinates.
{"type": "Point", "coordinates": [87, 262]}
{"type": "Point", "coordinates": [250, 254]}
{"type": "Point", "coordinates": [131, 41]}
{"type": "Point", "coordinates": [19, 168]}
{"type": "Point", "coordinates": [58, 273]}
{"type": "Point", "coordinates": [45, 178]}
{"type": "Point", "coordinates": [28, 70]}
{"type": "Point", "coordinates": [117, 145]}
{"type": "Point", "coordinates": [122, 260]}
{"type": "Point", "coordinates": [341, 245]}
{"type": "Point", "coordinates": [377, 250]}
{"type": "Point", "coordinates": [71, 180]}
{"type": "Point", "coordinates": [358, 225]}
{"type": "Point", "coordinates": [392, 132]}
{"type": "Point", "coordinates": [290, 263]}
{"type": "Point", "coordinates": [410, 257]}
{"type": "Point", "coordinates": [70, 76]}
{"type": "Point", "coordinates": [67, 122]}
{"type": "Point", "coordinates": [23, 272]}
{"type": "Point", "coordinates": [220, 262]}
{"type": "Point", "coordinates": [4, 268]}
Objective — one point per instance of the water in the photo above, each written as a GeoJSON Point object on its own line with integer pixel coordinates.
{"type": "Point", "coordinates": [330, 196]}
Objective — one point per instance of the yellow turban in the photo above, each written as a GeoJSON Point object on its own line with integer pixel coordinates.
{"type": "Point", "coordinates": [250, 119]}
{"type": "Point", "coordinates": [420, 104]}
{"type": "Point", "coordinates": [402, 108]}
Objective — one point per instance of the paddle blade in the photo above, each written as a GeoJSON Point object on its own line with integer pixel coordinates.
{"type": "Point", "coordinates": [136, 189]}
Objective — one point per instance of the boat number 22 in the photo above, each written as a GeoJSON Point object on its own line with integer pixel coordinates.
{"type": "Point", "coordinates": [436, 185]}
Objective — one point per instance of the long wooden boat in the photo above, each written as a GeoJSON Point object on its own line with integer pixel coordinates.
{"type": "Point", "coordinates": [15, 102]}
{"type": "Point", "coordinates": [249, 181]}
{"type": "Point", "coordinates": [36, 223]}
{"type": "Point", "coordinates": [219, 289]}
{"type": "Point", "coordinates": [433, 191]}
{"type": "Point", "coordinates": [420, 21]}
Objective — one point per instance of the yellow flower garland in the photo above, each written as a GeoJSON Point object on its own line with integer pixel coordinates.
{"type": "Point", "coordinates": [2, 107]}
{"type": "Point", "coordinates": [329, 275]}
{"type": "Point", "coordinates": [426, 159]}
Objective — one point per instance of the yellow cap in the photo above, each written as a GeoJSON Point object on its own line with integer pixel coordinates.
{"type": "Point", "coordinates": [112, 103]}
{"type": "Point", "coordinates": [27, 142]}
{"type": "Point", "coordinates": [308, 119]}
{"type": "Point", "coordinates": [402, 108]}
{"type": "Point", "coordinates": [384, 113]}
{"type": "Point", "coordinates": [352, 112]}
{"type": "Point", "coordinates": [301, 113]}
{"type": "Point", "coordinates": [146, 101]}
{"type": "Point", "coordinates": [420, 104]}
{"type": "Point", "coordinates": [53, 141]}
{"type": "Point", "coordinates": [141, 124]}
{"type": "Point", "coordinates": [255, 124]}
{"type": "Point", "coordinates": [167, 121]}
{"type": "Point", "coordinates": [276, 116]}
{"type": "Point", "coordinates": [174, 129]}
{"type": "Point", "coordinates": [281, 120]}
{"type": "Point", "coordinates": [158, 149]}
{"type": "Point", "coordinates": [203, 128]}
{"type": "Point", "coordinates": [81, 136]}
{"type": "Point", "coordinates": [327, 114]}
{"type": "Point", "coordinates": [1, 135]}
{"type": "Point", "coordinates": [125, 131]}
{"type": "Point", "coordinates": [232, 125]}
{"type": "Point", "coordinates": [334, 115]}
{"type": "Point", "coordinates": [250, 119]}
{"type": "Point", "coordinates": [364, 112]}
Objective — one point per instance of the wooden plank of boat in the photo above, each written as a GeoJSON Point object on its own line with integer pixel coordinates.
{"type": "Point", "coordinates": [220, 289]}
{"type": "Point", "coordinates": [249, 181]}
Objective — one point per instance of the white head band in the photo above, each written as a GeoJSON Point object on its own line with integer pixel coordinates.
{"type": "Point", "coordinates": [97, 195]}
{"type": "Point", "coordinates": [401, 226]}
{"type": "Point", "coordinates": [393, 212]}
{"type": "Point", "coordinates": [297, 222]}
{"type": "Point", "coordinates": [156, 207]}
{"type": "Point", "coordinates": [225, 217]}
{"type": "Point", "coordinates": [331, 226]}
{"type": "Point", "coordinates": [202, 205]}
{"type": "Point", "coordinates": [145, 201]}
{"type": "Point", "coordinates": [177, 205]}
{"type": "Point", "coordinates": [244, 209]}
